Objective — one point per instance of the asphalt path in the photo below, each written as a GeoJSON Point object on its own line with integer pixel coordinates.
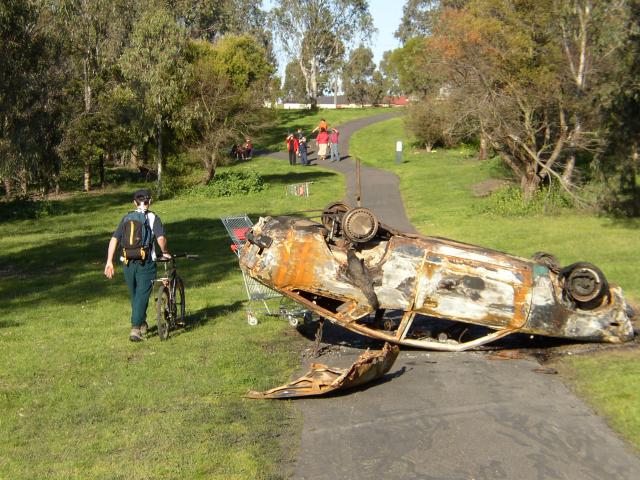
{"type": "Point", "coordinates": [439, 415]}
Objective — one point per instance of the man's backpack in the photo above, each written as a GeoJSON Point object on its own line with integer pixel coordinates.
{"type": "Point", "coordinates": [137, 237]}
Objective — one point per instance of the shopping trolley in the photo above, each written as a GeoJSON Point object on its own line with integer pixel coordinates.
{"type": "Point", "coordinates": [298, 189]}
{"type": "Point", "coordinates": [262, 299]}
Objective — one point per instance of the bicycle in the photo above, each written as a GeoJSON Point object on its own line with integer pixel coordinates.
{"type": "Point", "coordinates": [170, 301]}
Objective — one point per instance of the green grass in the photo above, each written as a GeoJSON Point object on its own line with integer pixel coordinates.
{"type": "Point", "coordinates": [613, 392]}
{"type": "Point", "coordinates": [78, 400]}
{"type": "Point", "coordinates": [438, 195]}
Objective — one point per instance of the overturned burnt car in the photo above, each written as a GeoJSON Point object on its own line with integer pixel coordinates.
{"type": "Point", "coordinates": [350, 268]}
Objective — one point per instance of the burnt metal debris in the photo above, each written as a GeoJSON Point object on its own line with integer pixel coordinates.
{"type": "Point", "coordinates": [349, 267]}
{"type": "Point", "coordinates": [321, 379]}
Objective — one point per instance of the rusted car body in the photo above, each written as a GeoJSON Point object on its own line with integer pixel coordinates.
{"type": "Point", "coordinates": [349, 267]}
{"type": "Point", "coordinates": [322, 379]}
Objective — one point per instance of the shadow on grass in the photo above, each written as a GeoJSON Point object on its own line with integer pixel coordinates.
{"type": "Point", "coordinates": [88, 203]}
{"type": "Point", "coordinates": [296, 177]}
{"type": "Point", "coordinates": [199, 318]}
{"type": "Point", "coordinates": [70, 271]}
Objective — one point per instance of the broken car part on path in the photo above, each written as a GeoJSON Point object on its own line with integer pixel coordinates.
{"type": "Point", "coordinates": [350, 266]}
{"type": "Point", "coordinates": [322, 379]}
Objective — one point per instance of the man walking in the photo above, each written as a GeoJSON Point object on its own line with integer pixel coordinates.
{"type": "Point", "coordinates": [135, 234]}
{"type": "Point", "coordinates": [334, 139]}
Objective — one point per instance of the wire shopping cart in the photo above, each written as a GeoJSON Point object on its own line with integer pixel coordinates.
{"type": "Point", "coordinates": [262, 300]}
{"type": "Point", "coordinates": [298, 189]}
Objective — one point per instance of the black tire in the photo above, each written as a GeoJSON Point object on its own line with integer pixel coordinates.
{"type": "Point", "coordinates": [585, 284]}
{"type": "Point", "coordinates": [163, 310]}
{"type": "Point", "coordinates": [332, 215]}
{"type": "Point", "coordinates": [178, 303]}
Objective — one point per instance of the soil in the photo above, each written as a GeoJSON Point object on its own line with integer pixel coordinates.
{"type": "Point", "coordinates": [486, 188]}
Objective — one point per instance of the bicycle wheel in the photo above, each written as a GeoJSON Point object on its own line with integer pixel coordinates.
{"type": "Point", "coordinates": [178, 303]}
{"type": "Point", "coordinates": [163, 307]}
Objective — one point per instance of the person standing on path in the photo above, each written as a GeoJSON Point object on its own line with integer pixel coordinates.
{"type": "Point", "coordinates": [334, 139]}
{"type": "Point", "coordinates": [322, 125]}
{"type": "Point", "coordinates": [292, 148]}
{"type": "Point", "coordinates": [322, 140]}
{"type": "Point", "coordinates": [136, 233]}
{"type": "Point", "coordinates": [302, 150]}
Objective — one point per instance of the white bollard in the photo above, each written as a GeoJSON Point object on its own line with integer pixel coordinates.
{"type": "Point", "coordinates": [399, 151]}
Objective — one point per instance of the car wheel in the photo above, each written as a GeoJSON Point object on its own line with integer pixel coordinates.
{"type": "Point", "coordinates": [360, 225]}
{"type": "Point", "coordinates": [585, 284]}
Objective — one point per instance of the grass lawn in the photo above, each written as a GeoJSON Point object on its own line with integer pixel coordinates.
{"type": "Point", "coordinates": [79, 401]}
{"type": "Point", "coordinates": [437, 189]}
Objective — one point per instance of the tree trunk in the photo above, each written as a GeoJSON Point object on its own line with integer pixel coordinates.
{"type": "Point", "coordinates": [101, 170]}
{"type": "Point", "coordinates": [567, 173]}
{"type": "Point", "coordinates": [159, 139]}
{"type": "Point", "coordinates": [428, 147]}
{"type": "Point", "coordinates": [210, 168]}
{"type": "Point", "coordinates": [8, 192]}
{"type": "Point", "coordinates": [133, 159]}
{"type": "Point", "coordinates": [24, 184]}
{"type": "Point", "coordinates": [482, 154]}
{"type": "Point", "coordinates": [530, 185]}
{"type": "Point", "coordinates": [87, 178]}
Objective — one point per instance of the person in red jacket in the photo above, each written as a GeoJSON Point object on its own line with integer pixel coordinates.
{"type": "Point", "coordinates": [292, 148]}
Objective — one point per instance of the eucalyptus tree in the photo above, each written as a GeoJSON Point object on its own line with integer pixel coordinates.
{"type": "Point", "coordinates": [531, 74]}
{"type": "Point", "coordinates": [294, 88]}
{"type": "Point", "coordinates": [30, 90]}
{"type": "Point", "coordinates": [229, 84]}
{"type": "Point", "coordinates": [94, 34]}
{"type": "Point", "coordinates": [315, 33]}
{"type": "Point", "coordinates": [156, 66]}
{"type": "Point", "coordinates": [357, 76]}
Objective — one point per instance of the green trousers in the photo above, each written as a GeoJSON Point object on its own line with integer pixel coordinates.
{"type": "Point", "coordinates": [139, 277]}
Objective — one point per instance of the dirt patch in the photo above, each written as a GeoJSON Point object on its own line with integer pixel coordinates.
{"type": "Point", "coordinates": [487, 187]}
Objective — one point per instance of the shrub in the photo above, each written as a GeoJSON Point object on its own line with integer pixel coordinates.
{"type": "Point", "coordinates": [25, 208]}
{"type": "Point", "coordinates": [509, 201]}
{"type": "Point", "coordinates": [228, 184]}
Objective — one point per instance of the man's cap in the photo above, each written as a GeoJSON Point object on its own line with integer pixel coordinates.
{"type": "Point", "coordinates": [142, 194]}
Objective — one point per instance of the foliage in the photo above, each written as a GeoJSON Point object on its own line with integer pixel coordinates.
{"type": "Point", "coordinates": [359, 80]}
{"type": "Point", "coordinates": [417, 19]}
{"type": "Point", "coordinates": [412, 66]}
{"type": "Point", "coordinates": [228, 184]}
{"type": "Point", "coordinates": [529, 73]}
{"type": "Point", "coordinates": [315, 34]}
{"type": "Point", "coordinates": [156, 66]}
{"type": "Point", "coordinates": [433, 122]}
{"type": "Point", "coordinates": [509, 201]}
{"type": "Point", "coordinates": [230, 79]}
{"type": "Point", "coordinates": [22, 208]}
{"type": "Point", "coordinates": [294, 88]}
{"type": "Point", "coordinates": [30, 84]}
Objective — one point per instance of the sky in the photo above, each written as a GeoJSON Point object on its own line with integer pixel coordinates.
{"type": "Point", "coordinates": [386, 18]}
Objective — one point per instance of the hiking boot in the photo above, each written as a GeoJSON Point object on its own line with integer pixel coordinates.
{"type": "Point", "coordinates": [135, 335]}
{"type": "Point", "coordinates": [144, 328]}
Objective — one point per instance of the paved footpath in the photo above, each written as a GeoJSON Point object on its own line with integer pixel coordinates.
{"type": "Point", "coordinates": [450, 415]}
